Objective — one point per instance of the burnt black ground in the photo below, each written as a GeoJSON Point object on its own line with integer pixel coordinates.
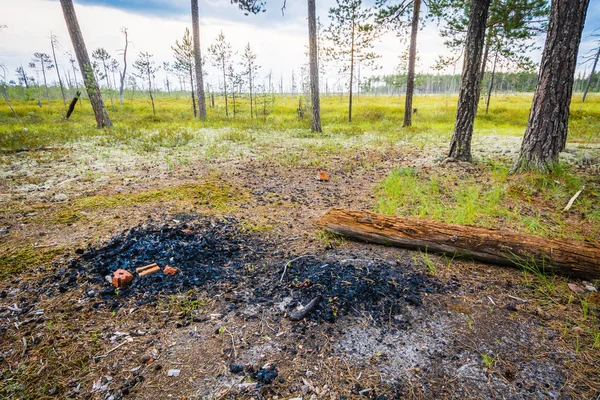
{"type": "Point", "coordinates": [216, 256]}
{"type": "Point", "coordinates": [380, 312]}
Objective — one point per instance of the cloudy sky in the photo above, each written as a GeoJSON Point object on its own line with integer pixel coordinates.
{"type": "Point", "coordinates": [279, 40]}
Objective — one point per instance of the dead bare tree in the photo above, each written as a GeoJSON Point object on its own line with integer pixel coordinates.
{"type": "Point", "coordinates": [123, 73]}
{"type": "Point", "coordinates": [92, 88]}
{"type": "Point", "coordinates": [591, 58]}
{"type": "Point", "coordinates": [54, 43]}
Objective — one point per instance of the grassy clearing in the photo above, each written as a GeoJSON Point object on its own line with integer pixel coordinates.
{"type": "Point", "coordinates": [174, 125]}
{"type": "Point", "coordinates": [489, 197]}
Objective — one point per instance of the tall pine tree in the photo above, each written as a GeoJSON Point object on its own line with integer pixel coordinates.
{"type": "Point", "coordinates": [353, 35]}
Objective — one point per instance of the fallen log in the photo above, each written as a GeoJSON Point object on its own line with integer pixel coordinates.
{"type": "Point", "coordinates": [566, 257]}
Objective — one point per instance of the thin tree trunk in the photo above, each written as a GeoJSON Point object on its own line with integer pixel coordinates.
{"type": "Point", "coordinates": [106, 77]}
{"type": "Point", "coordinates": [75, 76]}
{"type": "Point", "coordinates": [81, 53]}
{"type": "Point", "coordinates": [45, 83]}
{"type": "Point", "coordinates": [491, 87]}
{"type": "Point", "coordinates": [460, 146]}
{"type": "Point", "coordinates": [24, 76]}
{"type": "Point", "coordinates": [225, 89]}
{"type": "Point", "coordinates": [192, 86]}
{"type": "Point", "coordinates": [412, 55]}
{"type": "Point", "coordinates": [122, 74]}
{"type": "Point", "coordinates": [198, 61]}
{"type": "Point", "coordinates": [546, 133]}
{"type": "Point", "coordinates": [233, 99]}
{"type": "Point", "coordinates": [486, 52]}
{"type": "Point", "coordinates": [37, 92]}
{"type": "Point", "coordinates": [589, 82]}
{"type": "Point", "coordinates": [351, 75]}
{"type": "Point", "coordinates": [62, 89]}
{"type": "Point", "coordinates": [315, 125]}
{"type": "Point", "coordinates": [250, 81]}
{"type": "Point", "coordinates": [151, 97]}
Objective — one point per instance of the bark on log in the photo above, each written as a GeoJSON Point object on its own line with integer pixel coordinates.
{"type": "Point", "coordinates": [566, 257]}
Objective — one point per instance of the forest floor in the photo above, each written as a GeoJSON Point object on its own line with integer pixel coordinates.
{"type": "Point", "coordinates": [234, 209]}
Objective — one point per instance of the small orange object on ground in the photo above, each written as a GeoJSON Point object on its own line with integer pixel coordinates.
{"type": "Point", "coordinates": [170, 270]}
{"type": "Point", "coordinates": [146, 267]}
{"type": "Point", "coordinates": [121, 278]}
{"type": "Point", "coordinates": [323, 176]}
{"type": "Point", "coordinates": [150, 271]}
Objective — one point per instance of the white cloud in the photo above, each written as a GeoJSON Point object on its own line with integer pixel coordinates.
{"type": "Point", "coordinates": [279, 42]}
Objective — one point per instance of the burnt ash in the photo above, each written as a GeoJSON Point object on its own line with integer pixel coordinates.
{"type": "Point", "coordinates": [206, 252]}
{"type": "Point", "coordinates": [378, 288]}
{"type": "Point", "coordinates": [217, 257]}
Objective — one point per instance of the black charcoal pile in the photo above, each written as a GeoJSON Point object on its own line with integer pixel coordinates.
{"type": "Point", "coordinates": [216, 257]}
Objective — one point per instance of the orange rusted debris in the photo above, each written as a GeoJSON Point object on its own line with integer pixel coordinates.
{"type": "Point", "coordinates": [323, 176]}
{"type": "Point", "coordinates": [170, 270]}
{"type": "Point", "coordinates": [121, 278]}
{"type": "Point", "coordinates": [144, 268]}
{"type": "Point", "coordinates": [150, 271]}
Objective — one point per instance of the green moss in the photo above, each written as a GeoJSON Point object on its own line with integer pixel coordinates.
{"type": "Point", "coordinates": [248, 226]}
{"type": "Point", "coordinates": [217, 195]}
{"type": "Point", "coordinates": [14, 260]}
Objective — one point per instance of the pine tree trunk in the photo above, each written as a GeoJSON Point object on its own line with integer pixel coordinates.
{"type": "Point", "coordinates": [85, 66]}
{"type": "Point", "coordinates": [75, 76]}
{"type": "Point", "coordinates": [315, 125]}
{"type": "Point", "coordinates": [351, 75]}
{"type": "Point", "coordinates": [546, 133]}
{"type": "Point", "coordinates": [151, 97]}
{"type": "Point", "coordinates": [122, 74]}
{"type": "Point", "coordinates": [106, 78]}
{"type": "Point", "coordinates": [491, 87]}
{"type": "Point", "coordinates": [412, 55]}
{"type": "Point", "coordinates": [45, 83]}
{"type": "Point", "coordinates": [250, 81]}
{"type": "Point", "coordinates": [225, 89]}
{"type": "Point", "coordinates": [484, 59]}
{"type": "Point", "coordinates": [193, 96]}
{"type": "Point", "coordinates": [589, 82]}
{"type": "Point", "coordinates": [460, 146]}
{"type": "Point", "coordinates": [198, 61]}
